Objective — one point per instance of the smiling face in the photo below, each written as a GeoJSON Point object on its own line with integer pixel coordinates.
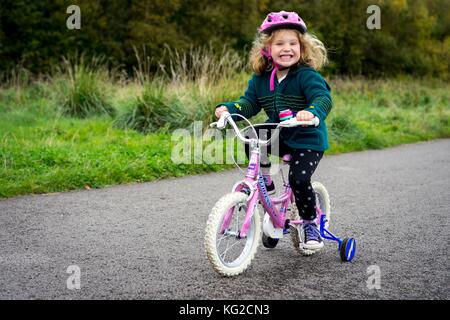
{"type": "Point", "coordinates": [285, 47]}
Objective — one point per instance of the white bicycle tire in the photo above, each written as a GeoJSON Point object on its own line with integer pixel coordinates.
{"type": "Point", "coordinates": [212, 229]}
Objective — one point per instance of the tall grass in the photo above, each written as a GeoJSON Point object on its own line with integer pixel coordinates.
{"type": "Point", "coordinates": [83, 87]}
{"type": "Point", "coordinates": [17, 77]}
{"type": "Point", "coordinates": [202, 66]}
{"type": "Point", "coordinates": [154, 109]}
{"type": "Point", "coordinates": [183, 90]}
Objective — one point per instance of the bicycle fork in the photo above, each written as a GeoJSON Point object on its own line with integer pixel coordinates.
{"type": "Point", "coordinates": [251, 207]}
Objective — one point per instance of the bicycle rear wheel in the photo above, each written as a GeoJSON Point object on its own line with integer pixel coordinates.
{"type": "Point", "coordinates": [229, 254]}
{"type": "Point", "coordinates": [323, 201]}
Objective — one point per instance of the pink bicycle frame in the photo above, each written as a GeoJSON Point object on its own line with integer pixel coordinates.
{"type": "Point", "coordinates": [256, 183]}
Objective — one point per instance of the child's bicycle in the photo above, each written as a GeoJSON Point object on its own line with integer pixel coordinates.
{"type": "Point", "coordinates": [234, 228]}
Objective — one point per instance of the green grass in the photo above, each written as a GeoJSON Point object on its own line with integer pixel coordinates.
{"type": "Point", "coordinates": [383, 113]}
{"type": "Point", "coordinates": [44, 150]}
{"type": "Point", "coordinates": [64, 154]}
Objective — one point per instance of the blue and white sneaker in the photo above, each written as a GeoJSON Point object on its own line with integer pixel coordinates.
{"type": "Point", "coordinates": [310, 238]}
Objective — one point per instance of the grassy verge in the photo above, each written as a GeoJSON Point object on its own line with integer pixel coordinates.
{"type": "Point", "coordinates": [40, 151]}
{"type": "Point", "coordinates": [44, 150]}
{"type": "Point", "coordinates": [383, 113]}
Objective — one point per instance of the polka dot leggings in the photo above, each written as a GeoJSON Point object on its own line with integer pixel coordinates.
{"type": "Point", "coordinates": [303, 164]}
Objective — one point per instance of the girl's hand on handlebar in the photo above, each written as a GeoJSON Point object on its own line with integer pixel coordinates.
{"type": "Point", "coordinates": [304, 116]}
{"type": "Point", "coordinates": [220, 110]}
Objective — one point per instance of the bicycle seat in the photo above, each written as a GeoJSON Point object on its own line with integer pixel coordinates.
{"type": "Point", "coordinates": [287, 158]}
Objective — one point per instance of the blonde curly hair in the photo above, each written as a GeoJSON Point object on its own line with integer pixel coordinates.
{"type": "Point", "coordinates": [312, 51]}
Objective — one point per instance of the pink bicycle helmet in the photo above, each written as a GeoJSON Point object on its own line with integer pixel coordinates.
{"type": "Point", "coordinates": [282, 19]}
{"type": "Point", "coordinates": [279, 20]}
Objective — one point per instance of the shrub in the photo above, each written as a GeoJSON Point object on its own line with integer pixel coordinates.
{"type": "Point", "coordinates": [82, 88]}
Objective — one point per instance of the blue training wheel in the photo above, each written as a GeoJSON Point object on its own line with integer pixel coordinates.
{"type": "Point", "coordinates": [347, 249]}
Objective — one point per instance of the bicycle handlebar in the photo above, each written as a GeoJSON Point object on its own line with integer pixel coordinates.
{"type": "Point", "coordinates": [293, 122]}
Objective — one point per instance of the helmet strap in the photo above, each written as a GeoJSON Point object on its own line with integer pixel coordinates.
{"type": "Point", "coordinates": [272, 76]}
{"type": "Point", "coordinates": [276, 67]}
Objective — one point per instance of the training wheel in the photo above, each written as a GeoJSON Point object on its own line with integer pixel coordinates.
{"type": "Point", "coordinates": [347, 249]}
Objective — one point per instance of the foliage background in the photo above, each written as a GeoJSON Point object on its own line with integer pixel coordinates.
{"type": "Point", "coordinates": [414, 36]}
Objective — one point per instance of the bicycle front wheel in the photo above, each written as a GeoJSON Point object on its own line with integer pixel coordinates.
{"type": "Point", "coordinates": [228, 253]}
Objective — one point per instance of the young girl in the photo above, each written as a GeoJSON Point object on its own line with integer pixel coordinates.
{"type": "Point", "coordinates": [285, 60]}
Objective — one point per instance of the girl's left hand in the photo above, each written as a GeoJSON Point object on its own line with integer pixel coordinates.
{"type": "Point", "coordinates": [304, 116]}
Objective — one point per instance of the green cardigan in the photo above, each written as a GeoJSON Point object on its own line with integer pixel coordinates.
{"type": "Point", "coordinates": [302, 89]}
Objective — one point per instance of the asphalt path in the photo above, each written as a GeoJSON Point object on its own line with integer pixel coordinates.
{"type": "Point", "coordinates": [145, 241]}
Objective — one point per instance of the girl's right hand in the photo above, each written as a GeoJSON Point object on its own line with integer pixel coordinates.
{"type": "Point", "coordinates": [220, 110]}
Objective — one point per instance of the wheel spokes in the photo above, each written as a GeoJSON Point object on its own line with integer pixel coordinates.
{"type": "Point", "coordinates": [231, 233]}
{"type": "Point", "coordinates": [228, 248]}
